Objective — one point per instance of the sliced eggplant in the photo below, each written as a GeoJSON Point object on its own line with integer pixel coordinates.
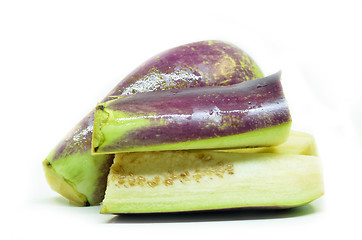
{"type": "Point", "coordinates": [175, 181]}
{"type": "Point", "coordinates": [249, 114]}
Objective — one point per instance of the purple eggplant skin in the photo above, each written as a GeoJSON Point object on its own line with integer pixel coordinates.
{"type": "Point", "coordinates": [199, 64]}
{"type": "Point", "coordinates": [177, 116]}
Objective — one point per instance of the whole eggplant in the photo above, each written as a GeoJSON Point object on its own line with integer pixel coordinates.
{"type": "Point", "coordinates": [75, 173]}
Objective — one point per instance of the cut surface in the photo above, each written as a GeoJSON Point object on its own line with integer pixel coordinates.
{"type": "Point", "coordinates": [86, 176]}
{"type": "Point", "coordinates": [173, 181]}
{"type": "Point", "coordinates": [62, 186]}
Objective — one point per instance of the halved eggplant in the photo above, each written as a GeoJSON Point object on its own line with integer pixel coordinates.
{"type": "Point", "coordinates": [248, 114]}
{"type": "Point", "coordinates": [176, 181]}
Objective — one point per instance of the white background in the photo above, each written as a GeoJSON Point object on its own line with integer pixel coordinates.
{"type": "Point", "coordinates": [59, 58]}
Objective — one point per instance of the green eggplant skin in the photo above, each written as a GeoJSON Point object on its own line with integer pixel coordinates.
{"type": "Point", "coordinates": [188, 117]}
{"type": "Point", "coordinates": [199, 64]}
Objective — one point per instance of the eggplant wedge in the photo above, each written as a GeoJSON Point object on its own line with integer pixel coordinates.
{"type": "Point", "coordinates": [178, 181]}
{"type": "Point", "coordinates": [249, 114]}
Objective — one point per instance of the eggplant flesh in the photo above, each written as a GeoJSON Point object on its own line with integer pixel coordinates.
{"type": "Point", "coordinates": [178, 181]}
{"type": "Point", "coordinates": [289, 174]}
{"type": "Point", "coordinates": [249, 114]}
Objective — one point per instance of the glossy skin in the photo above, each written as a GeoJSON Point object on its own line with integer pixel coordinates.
{"type": "Point", "coordinates": [190, 115]}
{"type": "Point", "coordinates": [206, 63]}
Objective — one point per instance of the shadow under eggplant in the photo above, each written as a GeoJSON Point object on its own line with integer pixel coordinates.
{"type": "Point", "coordinates": [214, 215]}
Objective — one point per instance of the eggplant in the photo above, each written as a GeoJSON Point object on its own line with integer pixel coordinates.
{"type": "Point", "coordinates": [249, 114]}
{"type": "Point", "coordinates": [75, 173]}
{"type": "Point", "coordinates": [284, 176]}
